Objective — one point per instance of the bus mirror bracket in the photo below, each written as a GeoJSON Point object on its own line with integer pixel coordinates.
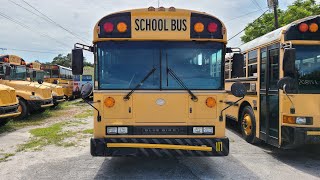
{"type": "Point", "coordinates": [239, 90]}
{"type": "Point", "coordinates": [288, 84]}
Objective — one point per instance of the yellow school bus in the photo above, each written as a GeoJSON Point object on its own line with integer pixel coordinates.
{"type": "Point", "coordinates": [8, 102]}
{"type": "Point", "coordinates": [281, 71]}
{"type": "Point", "coordinates": [158, 86]}
{"type": "Point", "coordinates": [32, 96]}
{"type": "Point", "coordinates": [60, 75]}
{"type": "Point", "coordinates": [35, 74]}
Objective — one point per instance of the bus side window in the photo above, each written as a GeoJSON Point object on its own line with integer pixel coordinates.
{"type": "Point", "coordinates": [245, 65]}
{"type": "Point", "coordinates": [263, 56]}
{"type": "Point", "coordinates": [252, 63]}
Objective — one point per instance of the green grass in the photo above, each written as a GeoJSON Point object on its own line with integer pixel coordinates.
{"type": "Point", "coordinates": [52, 135]}
{"type": "Point", "coordinates": [6, 156]}
{"type": "Point", "coordinates": [85, 114]}
{"type": "Point", "coordinates": [88, 131]}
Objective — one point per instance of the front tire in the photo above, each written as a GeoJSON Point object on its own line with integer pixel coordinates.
{"type": "Point", "coordinates": [23, 109]}
{"type": "Point", "coordinates": [248, 125]}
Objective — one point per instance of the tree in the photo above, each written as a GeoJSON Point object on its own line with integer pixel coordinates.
{"type": "Point", "coordinates": [265, 24]}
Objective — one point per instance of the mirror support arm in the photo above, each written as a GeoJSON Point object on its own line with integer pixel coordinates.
{"type": "Point", "coordinates": [84, 47]}
{"type": "Point", "coordinates": [98, 117]}
{"type": "Point", "coordinates": [221, 116]}
{"type": "Point", "coordinates": [292, 108]}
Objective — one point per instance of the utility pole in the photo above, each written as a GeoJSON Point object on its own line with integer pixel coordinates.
{"type": "Point", "coordinates": [273, 4]}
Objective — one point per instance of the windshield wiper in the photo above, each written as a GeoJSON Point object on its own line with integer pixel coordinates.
{"type": "Point", "coordinates": [127, 97]}
{"type": "Point", "coordinates": [182, 84]}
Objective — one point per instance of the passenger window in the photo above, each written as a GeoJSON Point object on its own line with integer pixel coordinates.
{"type": "Point", "coordinates": [252, 64]}
{"type": "Point", "coordinates": [263, 55]}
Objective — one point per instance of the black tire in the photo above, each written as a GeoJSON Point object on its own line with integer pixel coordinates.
{"type": "Point", "coordinates": [248, 130]}
{"type": "Point", "coordinates": [24, 109]}
{"type": "Point", "coordinates": [4, 121]}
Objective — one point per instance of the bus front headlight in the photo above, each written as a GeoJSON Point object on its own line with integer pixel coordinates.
{"type": "Point", "coordinates": [35, 97]}
{"type": "Point", "coordinates": [112, 130]}
{"type": "Point", "coordinates": [301, 120]}
{"type": "Point", "coordinates": [122, 130]}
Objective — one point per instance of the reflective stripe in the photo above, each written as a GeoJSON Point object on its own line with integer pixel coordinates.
{"type": "Point", "coordinates": [159, 146]}
{"type": "Point", "coordinates": [313, 133]}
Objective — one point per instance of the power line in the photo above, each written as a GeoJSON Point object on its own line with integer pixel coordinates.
{"type": "Point", "coordinates": [36, 51]}
{"type": "Point", "coordinates": [246, 26]}
{"type": "Point", "coordinates": [31, 29]}
{"type": "Point", "coordinates": [243, 15]}
{"type": "Point", "coordinates": [257, 4]}
{"type": "Point", "coordinates": [48, 19]}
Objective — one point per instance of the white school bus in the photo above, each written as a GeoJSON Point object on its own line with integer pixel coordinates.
{"type": "Point", "coordinates": [158, 83]}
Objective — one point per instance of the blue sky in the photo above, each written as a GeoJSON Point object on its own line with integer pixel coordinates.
{"type": "Point", "coordinates": [47, 40]}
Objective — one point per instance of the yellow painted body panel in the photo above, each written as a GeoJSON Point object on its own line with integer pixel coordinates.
{"type": "Point", "coordinates": [7, 96]}
{"type": "Point", "coordinates": [67, 85]}
{"type": "Point", "coordinates": [145, 111]}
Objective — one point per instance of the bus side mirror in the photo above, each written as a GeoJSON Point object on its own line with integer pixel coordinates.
{"type": "Point", "coordinates": [8, 71]}
{"type": "Point", "coordinates": [34, 74]}
{"type": "Point", "coordinates": [77, 61]}
{"type": "Point", "coordinates": [237, 66]}
{"type": "Point", "coordinates": [40, 81]}
{"type": "Point", "coordinates": [289, 59]}
{"type": "Point", "coordinates": [287, 84]}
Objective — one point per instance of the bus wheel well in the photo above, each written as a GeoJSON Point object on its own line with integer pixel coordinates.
{"type": "Point", "coordinates": [243, 104]}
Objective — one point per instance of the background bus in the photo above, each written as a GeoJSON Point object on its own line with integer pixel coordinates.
{"type": "Point", "coordinates": [8, 102]}
{"type": "Point", "coordinates": [60, 75]}
{"type": "Point", "coordinates": [32, 96]}
{"type": "Point", "coordinates": [158, 83]}
{"type": "Point", "coordinates": [267, 113]}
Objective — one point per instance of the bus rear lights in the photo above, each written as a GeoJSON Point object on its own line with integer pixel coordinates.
{"type": "Point", "coordinates": [303, 27]}
{"type": "Point", "coordinates": [109, 102]}
{"type": "Point", "coordinates": [202, 130]}
{"type": "Point", "coordinates": [210, 102]}
{"type": "Point", "coordinates": [212, 27]}
{"type": "Point", "coordinates": [313, 27]}
{"type": "Point", "coordinates": [198, 27]}
{"type": "Point", "coordinates": [117, 130]}
{"type": "Point", "coordinates": [108, 27]}
{"type": "Point", "coordinates": [122, 27]}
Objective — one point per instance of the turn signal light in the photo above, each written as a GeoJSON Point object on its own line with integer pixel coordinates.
{"type": "Point", "coordinates": [198, 27]}
{"type": "Point", "coordinates": [122, 27]}
{"type": "Point", "coordinates": [289, 119]}
{"type": "Point", "coordinates": [303, 27]}
{"type": "Point", "coordinates": [211, 102]}
{"type": "Point", "coordinates": [212, 27]}
{"type": "Point", "coordinates": [108, 27]}
{"type": "Point", "coordinates": [109, 102]}
{"type": "Point", "coordinates": [313, 27]}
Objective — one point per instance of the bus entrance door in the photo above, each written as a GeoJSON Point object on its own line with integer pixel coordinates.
{"type": "Point", "coordinates": [269, 95]}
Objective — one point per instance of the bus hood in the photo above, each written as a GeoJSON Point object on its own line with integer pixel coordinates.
{"type": "Point", "coordinates": [25, 87]}
{"type": "Point", "coordinates": [7, 96]}
{"type": "Point", "coordinates": [58, 90]}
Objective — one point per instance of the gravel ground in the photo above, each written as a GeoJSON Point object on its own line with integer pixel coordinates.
{"type": "Point", "coordinates": [244, 162]}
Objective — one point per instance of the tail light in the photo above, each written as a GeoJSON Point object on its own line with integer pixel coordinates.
{"type": "Point", "coordinates": [303, 27]}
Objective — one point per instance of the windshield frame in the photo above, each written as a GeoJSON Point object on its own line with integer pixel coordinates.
{"type": "Point", "coordinates": [161, 69]}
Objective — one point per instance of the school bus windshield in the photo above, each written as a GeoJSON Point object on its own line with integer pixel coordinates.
{"type": "Point", "coordinates": [308, 68]}
{"type": "Point", "coordinates": [18, 73]}
{"type": "Point", "coordinates": [122, 65]}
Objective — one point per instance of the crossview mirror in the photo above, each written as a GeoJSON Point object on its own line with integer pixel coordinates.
{"type": "Point", "coordinates": [86, 90]}
{"type": "Point", "coordinates": [8, 71]}
{"type": "Point", "coordinates": [77, 61]}
{"type": "Point", "coordinates": [286, 84]}
{"type": "Point", "coordinates": [238, 89]}
{"type": "Point", "coordinates": [289, 59]}
{"type": "Point", "coordinates": [55, 81]}
{"type": "Point", "coordinates": [237, 65]}
{"type": "Point", "coordinates": [40, 81]}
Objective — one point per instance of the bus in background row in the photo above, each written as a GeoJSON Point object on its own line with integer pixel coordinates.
{"type": "Point", "coordinates": [61, 76]}
{"type": "Point", "coordinates": [35, 74]}
{"type": "Point", "coordinates": [281, 71]}
{"type": "Point", "coordinates": [32, 96]}
{"type": "Point", "coordinates": [8, 102]}
{"type": "Point", "coordinates": [159, 86]}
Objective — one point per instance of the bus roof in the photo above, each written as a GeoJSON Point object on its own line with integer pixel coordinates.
{"type": "Point", "coordinates": [273, 36]}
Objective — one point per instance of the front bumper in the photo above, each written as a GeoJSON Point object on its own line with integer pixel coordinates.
{"type": "Point", "coordinates": [57, 99]}
{"type": "Point", "coordinates": [296, 136]}
{"type": "Point", "coordinates": [9, 111]}
{"type": "Point", "coordinates": [160, 147]}
{"type": "Point", "coordinates": [37, 104]}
